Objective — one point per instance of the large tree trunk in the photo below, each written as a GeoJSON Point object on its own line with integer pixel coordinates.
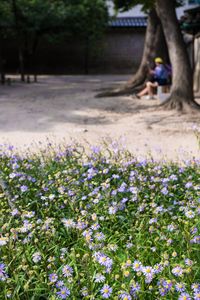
{"type": "Point", "coordinates": [197, 64]}
{"type": "Point", "coordinates": [182, 78]}
{"type": "Point", "coordinates": [152, 46]}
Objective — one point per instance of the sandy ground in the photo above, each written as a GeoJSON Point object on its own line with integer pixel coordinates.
{"type": "Point", "coordinates": [64, 108]}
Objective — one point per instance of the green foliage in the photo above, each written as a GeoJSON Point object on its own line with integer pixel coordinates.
{"type": "Point", "coordinates": [38, 17]}
{"type": "Point", "coordinates": [89, 18]}
{"type": "Point", "coordinates": [82, 224]}
{"type": "Point", "coordinates": [41, 16]}
{"type": "Point", "coordinates": [29, 20]}
{"type": "Point", "coordinates": [127, 4]}
{"type": "Point", "coordinates": [6, 17]}
{"type": "Point", "coordinates": [124, 5]}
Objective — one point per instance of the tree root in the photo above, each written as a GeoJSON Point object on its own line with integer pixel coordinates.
{"type": "Point", "coordinates": [173, 103]}
{"type": "Point", "coordinates": [126, 89]}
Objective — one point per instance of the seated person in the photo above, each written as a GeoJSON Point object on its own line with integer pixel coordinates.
{"type": "Point", "coordinates": [160, 76]}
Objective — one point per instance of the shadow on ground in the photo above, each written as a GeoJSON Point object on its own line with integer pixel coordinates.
{"type": "Point", "coordinates": [63, 99]}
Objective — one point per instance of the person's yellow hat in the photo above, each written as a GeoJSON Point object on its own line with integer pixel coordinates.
{"type": "Point", "coordinates": [158, 60]}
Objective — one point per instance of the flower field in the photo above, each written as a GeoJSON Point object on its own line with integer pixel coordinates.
{"type": "Point", "coordinates": [102, 225]}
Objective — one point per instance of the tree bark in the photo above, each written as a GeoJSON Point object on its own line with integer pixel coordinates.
{"type": "Point", "coordinates": [86, 55]}
{"type": "Point", "coordinates": [20, 48]}
{"type": "Point", "coordinates": [154, 38]}
{"type": "Point", "coordinates": [33, 58]}
{"type": "Point", "coordinates": [182, 78]}
{"type": "Point", "coordinates": [197, 65]}
{"type": "Point", "coordinates": [21, 63]}
{"type": "Point", "coordinates": [3, 76]}
{"type": "Point", "coordinates": [2, 68]}
{"type": "Point", "coordinates": [152, 46]}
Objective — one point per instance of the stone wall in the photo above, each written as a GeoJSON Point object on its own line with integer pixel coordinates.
{"type": "Point", "coordinates": [119, 52]}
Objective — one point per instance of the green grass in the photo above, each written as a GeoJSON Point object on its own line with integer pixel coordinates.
{"type": "Point", "coordinates": [101, 225]}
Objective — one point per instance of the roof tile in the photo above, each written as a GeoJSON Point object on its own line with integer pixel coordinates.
{"type": "Point", "coordinates": [128, 22]}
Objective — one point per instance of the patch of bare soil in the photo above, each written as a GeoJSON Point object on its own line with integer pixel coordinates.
{"type": "Point", "coordinates": [64, 109]}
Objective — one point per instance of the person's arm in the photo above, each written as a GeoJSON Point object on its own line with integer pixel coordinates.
{"type": "Point", "coordinates": [150, 70]}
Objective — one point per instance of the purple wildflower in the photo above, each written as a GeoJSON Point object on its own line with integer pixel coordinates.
{"type": "Point", "coordinates": [84, 291]}
{"type": "Point", "coordinates": [164, 191]}
{"type": "Point", "coordinates": [188, 185]}
{"type": "Point", "coordinates": [125, 296]}
{"type": "Point", "coordinates": [164, 286]}
{"type": "Point", "coordinates": [63, 293]}
{"type": "Point", "coordinates": [14, 212]}
{"type": "Point", "coordinates": [67, 271]}
{"type": "Point", "coordinates": [122, 188]}
{"type": "Point", "coordinates": [53, 277]}
{"type": "Point", "coordinates": [106, 291]}
{"type": "Point", "coordinates": [137, 266]}
{"type": "Point", "coordinates": [180, 287]}
{"type": "Point", "coordinates": [112, 210]}
{"type": "Point", "coordinates": [59, 283]}
{"type": "Point", "coordinates": [188, 262]}
{"type": "Point", "coordinates": [134, 288]}
{"type": "Point", "coordinates": [149, 273]}
{"type": "Point", "coordinates": [197, 296]}
{"type": "Point", "coordinates": [99, 236]}
{"type": "Point", "coordinates": [184, 296]}
{"type": "Point", "coordinates": [189, 214]}
{"type": "Point", "coordinates": [195, 240]}
{"type": "Point", "coordinates": [104, 260]}
{"type": "Point", "coordinates": [23, 188]}
{"type": "Point", "coordinates": [96, 149]}
{"type": "Point", "coordinates": [195, 287]}
{"type": "Point", "coordinates": [99, 278]}
{"type": "Point", "coordinates": [177, 271]}
{"type": "Point", "coordinates": [194, 230]}
{"type": "Point", "coordinates": [95, 226]}
{"type": "Point", "coordinates": [3, 275]}
{"type": "Point", "coordinates": [36, 257]}
{"type": "Point", "coordinates": [158, 268]}
{"type": "Point", "coordinates": [68, 223]}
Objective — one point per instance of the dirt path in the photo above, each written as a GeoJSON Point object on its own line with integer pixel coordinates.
{"type": "Point", "coordinates": [64, 108]}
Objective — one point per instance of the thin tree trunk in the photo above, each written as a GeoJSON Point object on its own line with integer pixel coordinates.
{"type": "Point", "coordinates": [182, 78]}
{"type": "Point", "coordinates": [86, 55]}
{"type": "Point", "coordinates": [153, 37]}
{"type": "Point", "coordinates": [27, 54]}
{"type": "Point", "coordinates": [21, 64]}
{"type": "Point", "coordinates": [3, 76]}
{"type": "Point", "coordinates": [20, 50]}
{"type": "Point", "coordinates": [2, 70]}
{"type": "Point", "coordinates": [2, 65]}
{"type": "Point", "coordinates": [33, 60]}
{"type": "Point", "coordinates": [30, 58]}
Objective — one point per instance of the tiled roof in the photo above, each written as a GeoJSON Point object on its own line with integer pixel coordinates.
{"type": "Point", "coordinates": [128, 22]}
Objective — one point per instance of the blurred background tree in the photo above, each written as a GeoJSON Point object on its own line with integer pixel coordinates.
{"type": "Point", "coordinates": [29, 20]}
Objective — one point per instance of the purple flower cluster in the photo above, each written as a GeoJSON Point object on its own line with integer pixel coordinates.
{"type": "Point", "coordinates": [3, 274]}
{"type": "Point", "coordinates": [98, 227]}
